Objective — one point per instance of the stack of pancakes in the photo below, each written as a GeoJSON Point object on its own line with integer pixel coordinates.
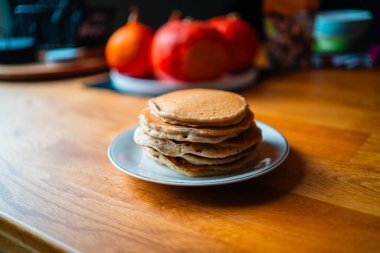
{"type": "Point", "coordinates": [199, 132]}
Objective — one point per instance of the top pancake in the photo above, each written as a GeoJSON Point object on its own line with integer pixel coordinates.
{"type": "Point", "coordinates": [199, 107]}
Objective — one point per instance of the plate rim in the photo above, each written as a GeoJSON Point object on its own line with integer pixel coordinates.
{"type": "Point", "coordinates": [200, 184]}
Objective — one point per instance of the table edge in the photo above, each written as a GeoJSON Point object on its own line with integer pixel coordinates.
{"type": "Point", "coordinates": [21, 235]}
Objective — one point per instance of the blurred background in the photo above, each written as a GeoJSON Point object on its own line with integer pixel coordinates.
{"type": "Point", "coordinates": [78, 22]}
{"type": "Point", "coordinates": [43, 25]}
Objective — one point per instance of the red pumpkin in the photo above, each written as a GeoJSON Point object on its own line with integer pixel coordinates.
{"type": "Point", "coordinates": [242, 40]}
{"type": "Point", "coordinates": [188, 51]}
{"type": "Point", "coordinates": [127, 50]}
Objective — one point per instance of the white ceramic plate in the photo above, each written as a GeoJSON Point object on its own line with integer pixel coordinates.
{"type": "Point", "coordinates": [130, 158]}
{"type": "Point", "coordinates": [153, 87]}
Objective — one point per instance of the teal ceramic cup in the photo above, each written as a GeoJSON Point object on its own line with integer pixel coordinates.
{"type": "Point", "coordinates": [334, 31]}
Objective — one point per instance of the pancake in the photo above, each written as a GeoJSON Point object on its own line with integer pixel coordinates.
{"type": "Point", "coordinates": [229, 147]}
{"type": "Point", "coordinates": [199, 107]}
{"type": "Point", "coordinates": [182, 166]}
{"type": "Point", "coordinates": [198, 139]}
{"type": "Point", "coordinates": [155, 127]}
{"type": "Point", "coordinates": [199, 160]}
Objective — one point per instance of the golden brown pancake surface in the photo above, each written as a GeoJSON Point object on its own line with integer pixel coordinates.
{"type": "Point", "coordinates": [199, 107]}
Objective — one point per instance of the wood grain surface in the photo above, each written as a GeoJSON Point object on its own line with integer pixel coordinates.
{"type": "Point", "coordinates": [59, 192]}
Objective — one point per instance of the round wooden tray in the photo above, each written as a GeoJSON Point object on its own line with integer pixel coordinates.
{"type": "Point", "coordinates": [85, 63]}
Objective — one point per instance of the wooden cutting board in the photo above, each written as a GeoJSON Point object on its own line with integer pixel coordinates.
{"type": "Point", "coordinates": [89, 61]}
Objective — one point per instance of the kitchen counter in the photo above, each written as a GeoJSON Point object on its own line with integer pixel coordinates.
{"type": "Point", "coordinates": [59, 192]}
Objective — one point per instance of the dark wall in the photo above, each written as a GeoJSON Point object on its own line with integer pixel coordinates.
{"type": "Point", "coordinates": [156, 12]}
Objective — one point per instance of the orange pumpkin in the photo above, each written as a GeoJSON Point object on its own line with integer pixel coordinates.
{"type": "Point", "coordinates": [127, 50]}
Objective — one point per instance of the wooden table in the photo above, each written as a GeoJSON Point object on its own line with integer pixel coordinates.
{"type": "Point", "coordinates": [59, 192]}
